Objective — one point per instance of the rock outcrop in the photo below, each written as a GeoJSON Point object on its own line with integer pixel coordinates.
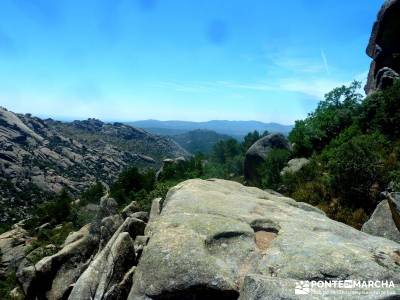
{"type": "Point", "coordinates": [258, 153]}
{"type": "Point", "coordinates": [13, 245]}
{"type": "Point", "coordinates": [382, 224]}
{"type": "Point", "coordinates": [384, 48]}
{"type": "Point", "coordinates": [213, 236]}
{"type": "Point", "coordinates": [294, 165]}
{"type": "Point", "coordinates": [39, 157]}
{"type": "Point", "coordinates": [53, 276]}
{"type": "Point", "coordinates": [107, 270]}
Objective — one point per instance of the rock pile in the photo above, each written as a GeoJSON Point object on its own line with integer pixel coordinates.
{"type": "Point", "coordinates": [97, 262]}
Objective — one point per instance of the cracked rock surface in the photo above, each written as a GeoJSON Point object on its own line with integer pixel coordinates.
{"type": "Point", "coordinates": [211, 234]}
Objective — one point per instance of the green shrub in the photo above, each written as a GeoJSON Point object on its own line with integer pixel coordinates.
{"type": "Point", "coordinates": [185, 169]}
{"type": "Point", "coordinates": [81, 216]}
{"type": "Point", "coordinates": [310, 172]}
{"type": "Point", "coordinates": [353, 217]}
{"type": "Point", "coordinates": [130, 182]}
{"type": "Point", "coordinates": [355, 166]}
{"type": "Point", "coordinates": [313, 193]}
{"type": "Point", "coordinates": [271, 169]}
{"type": "Point", "coordinates": [224, 151]}
{"type": "Point", "coordinates": [160, 190]}
{"type": "Point", "coordinates": [381, 112]}
{"type": "Point", "coordinates": [335, 113]}
{"type": "Point", "coordinates": [7, 284]}
{"type": "Point", "coordinates": [93, 194]}
{"type": "Point", "coordinates": [4, 227]}
{"type": "Point", "coordinates": [48, 236]}
{"type": "Point", "coordinates": [55, 211]}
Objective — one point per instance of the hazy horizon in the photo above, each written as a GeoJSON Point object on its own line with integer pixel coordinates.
{"type": "Point", "coordinates": [71, 119]}
{"type": "Point", "coordinates": [131, 60]}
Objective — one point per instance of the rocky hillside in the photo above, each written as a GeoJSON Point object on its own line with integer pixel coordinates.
{"type": "Point", "coordinates": [38, 157]}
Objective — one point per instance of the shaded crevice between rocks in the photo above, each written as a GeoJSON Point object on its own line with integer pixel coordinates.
{"type": "Point", "coordinates": [42, 280]}
{"type": "Point", "coordinates": [228, 235]}
{"type": "Point", "coordinates": [198, 292]}
{"type": "Point", "coordinates": [265, 225]}
{"type": "Point", "coordinates": [226, 239]}
{"type": "Point", "coordinates": [325, 276]}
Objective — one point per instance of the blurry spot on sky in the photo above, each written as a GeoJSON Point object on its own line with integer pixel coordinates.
{"type": "Point", "coordinates": [217, 32]}
{"type": "Point", "coordinates": [147, 5]}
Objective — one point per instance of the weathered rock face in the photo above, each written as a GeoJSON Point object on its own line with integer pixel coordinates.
{"type": "Point", "coordinates": [38, 157]}
{"type": "Point", "coordinates": [258, 153]}
{"type": "Point", "coordinates": [211, 234]}
{"type": "Point", "coordinates": [384, 47]}
{"type": "Point", "coordinates": [381, 223]}
{"type": "Point", "coordinates": [294, 165]}
{"type": "Point", "coordinates": [111, 264]}
{"type": "Point", "coordinates": [13, 245]}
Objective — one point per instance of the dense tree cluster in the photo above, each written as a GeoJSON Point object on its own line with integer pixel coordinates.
{"type": "Point", "coordinates": [353, 145]}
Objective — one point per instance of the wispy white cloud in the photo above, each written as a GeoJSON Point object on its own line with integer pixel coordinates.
{"type": "Point", "coordinates": [301, 65]}
{"type": "Point", "coordinates": [288, 60]}
{"type": "Point", "coordinates": [292, 62]}
{"type": "Point", "coordinates": [314, 88]}
{"type": "Point", "coordinates": [309, 74]}
{"type": "Point", "coordinates": [325, 61]}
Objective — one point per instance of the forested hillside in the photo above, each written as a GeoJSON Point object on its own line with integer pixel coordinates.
{"type": "Point", "coordinates": [200, 140]}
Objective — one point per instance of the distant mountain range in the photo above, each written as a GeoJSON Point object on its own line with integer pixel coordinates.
{"type": "Point", "coordinates": [236, 129]}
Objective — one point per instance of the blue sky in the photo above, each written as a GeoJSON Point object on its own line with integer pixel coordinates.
{"type": "Point", "coordinates": [179, 59]}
